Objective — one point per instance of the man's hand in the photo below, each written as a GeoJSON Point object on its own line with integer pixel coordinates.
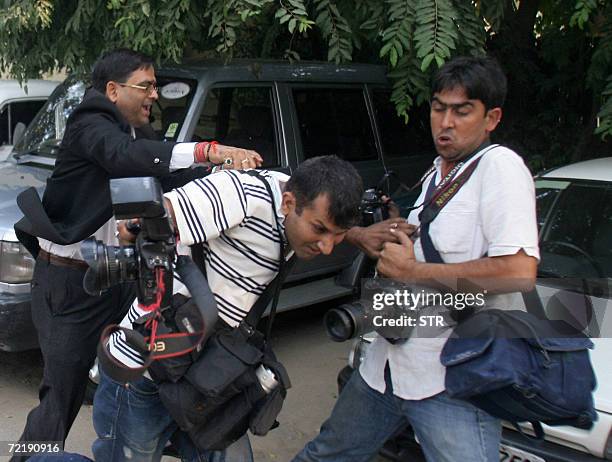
{"type": "Point", "coordinates": [234, 158]}
{"type": "Point", "coordinates": [397, 260]}
{"type": "Point", "coordinates": [126, 237]}
{"type": "Point", "coordinates": [371, 239]}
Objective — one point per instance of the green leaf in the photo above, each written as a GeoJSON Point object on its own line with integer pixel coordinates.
{"type": "Point", "coordinates": [292, 24]}
{"type": "Point", "coordinates": [385, 49]}
{"type": "Point", "coordinates": [426, 62]}
{"type": "Point", "coordinates": [393, 57]}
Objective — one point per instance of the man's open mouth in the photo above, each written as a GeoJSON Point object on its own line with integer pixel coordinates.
{"type": "Point", "coordinates": [444, 139]}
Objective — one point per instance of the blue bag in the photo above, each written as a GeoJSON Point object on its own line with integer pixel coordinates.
{"type": "Point", "coordinates": [520, 368]}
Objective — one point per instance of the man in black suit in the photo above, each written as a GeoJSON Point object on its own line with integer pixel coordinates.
{"type": "Point", "coordinates": [99, 144]}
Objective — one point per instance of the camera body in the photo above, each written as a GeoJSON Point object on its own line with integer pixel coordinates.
{"type": "Point", "coordinates": [153, 250]}
{"type": "Point", "coordinates": [373, 209]}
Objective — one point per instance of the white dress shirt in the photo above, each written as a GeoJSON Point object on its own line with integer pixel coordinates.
{"type": "Point", "coordinates": [493, 214]}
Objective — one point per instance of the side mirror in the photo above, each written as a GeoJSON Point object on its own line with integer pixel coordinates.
{"type": "Point", "coordinates": [18, 132]}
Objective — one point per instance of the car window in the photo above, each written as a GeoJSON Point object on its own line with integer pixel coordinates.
{"type": "Point", "coordinates": [48, 126]}
{"type": "Point", "coordinates": [168, 112]}
{"type": "Point", "coordinates": [240, 116]}
{"type": "Point", "coordinates": [15, 112]}
{"type": "Point", "coordinates": [547, 192]}
{"type": "Point", "coordinates": [398, 138]}
{"type": "Point", "coordinates": [577, 238]}
{"type": "Point", "coordinates": [335, 121]}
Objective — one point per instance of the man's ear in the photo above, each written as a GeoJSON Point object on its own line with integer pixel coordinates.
{"type": "Point", "coordinates": [493, 118]}
{"type": "Point", "coordinates": [111, 91]}
{"type": "Point", "coordinates": [288, 204]}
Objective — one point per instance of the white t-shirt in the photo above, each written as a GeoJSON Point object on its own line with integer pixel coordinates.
{"type": "Point", "coordinates": [493, 214]}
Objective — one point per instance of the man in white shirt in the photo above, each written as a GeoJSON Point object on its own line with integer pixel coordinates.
{"type": "Point", "coordinates": [486, 231]}
{"type": "Point", "coordinates": [99, 143]}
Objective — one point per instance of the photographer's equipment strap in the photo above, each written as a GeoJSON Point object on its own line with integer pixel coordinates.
{"type": "Point", "coordinates": [272, 292]}
{"type": "Point", "coordinates": [165, 345]}
{"type": "Point", "coordinates": [437, 197]}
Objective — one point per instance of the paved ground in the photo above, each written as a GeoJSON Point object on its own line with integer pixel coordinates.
{"type": "Point", "coordinates": [301, 344]}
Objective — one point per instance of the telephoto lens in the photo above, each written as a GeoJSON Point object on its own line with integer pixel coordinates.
{"type": "Point", "coordinates": [266, 378]}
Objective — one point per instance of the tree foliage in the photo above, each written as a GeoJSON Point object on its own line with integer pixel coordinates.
{"type": "Point", "coordinates": [555, 51]}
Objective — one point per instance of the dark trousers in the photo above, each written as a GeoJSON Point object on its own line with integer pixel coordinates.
{"type": "Point", "coordinates": [69, 323]}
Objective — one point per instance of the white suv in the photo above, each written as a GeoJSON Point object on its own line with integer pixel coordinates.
{"type": "Point", "coordinates": [18, 106]}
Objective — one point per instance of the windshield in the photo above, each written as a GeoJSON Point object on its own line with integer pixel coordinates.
{"type": "Point", "coordinates": [47, 129]}
{"type": "Point", "coordinates": [576, 233]}
{"type": "Point", "coordinates": [44, 134]}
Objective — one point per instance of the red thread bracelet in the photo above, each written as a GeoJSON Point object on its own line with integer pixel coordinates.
{"type": "Point", "coordinates": [200, 154]}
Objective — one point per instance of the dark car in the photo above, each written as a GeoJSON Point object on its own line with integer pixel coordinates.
{"type": "Point", "coordinates": [287, 112]}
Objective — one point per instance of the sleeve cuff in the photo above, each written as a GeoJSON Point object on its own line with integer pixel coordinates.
{"type": "Point", "coordinates": [502, 250]}
{"type": "Point", "coordinates": [182, 156]}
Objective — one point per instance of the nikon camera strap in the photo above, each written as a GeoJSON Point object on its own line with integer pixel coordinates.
{"type": "Point", "coordinates": [437, 198]}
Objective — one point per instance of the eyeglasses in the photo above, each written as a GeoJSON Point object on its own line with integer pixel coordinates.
{"type": "Point", "coordinates": [149, 88]}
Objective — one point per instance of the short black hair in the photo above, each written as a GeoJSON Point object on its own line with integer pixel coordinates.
{"type": "Point", "coordinates": [117, 65]}
{"type": "Point", "coordinates": [480, 76]}
{"type": "Point", "coordinates": [332, 176]}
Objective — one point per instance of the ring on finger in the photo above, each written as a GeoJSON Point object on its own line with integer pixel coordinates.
{"type": "Point", "coordinates": [228, 161]}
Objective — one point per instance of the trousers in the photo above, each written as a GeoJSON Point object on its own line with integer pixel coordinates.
{"type": "Point", "coordinates": [69, 323]}
{"type": "Point", "coordinates": [133, 425]}
{"type": "Point", "coordinates": [362, 420]}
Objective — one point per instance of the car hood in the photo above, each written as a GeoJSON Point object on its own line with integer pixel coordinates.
{"type": "Point", "coordinates": [15, 178]}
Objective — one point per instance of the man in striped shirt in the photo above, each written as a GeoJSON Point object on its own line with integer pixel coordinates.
{"type": "Point", "coordinates": [231, 213]}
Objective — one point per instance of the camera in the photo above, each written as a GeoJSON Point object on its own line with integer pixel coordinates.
{"type": "Point", "coordinates": [373, 209]}
{"type": "Point", "coordinates": [149, 261]}
{"type": "Point", "coordinates": [350, 320]}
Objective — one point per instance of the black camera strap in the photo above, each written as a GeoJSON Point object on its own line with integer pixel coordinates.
{"type": "Point", "coordinates": [272, 292]}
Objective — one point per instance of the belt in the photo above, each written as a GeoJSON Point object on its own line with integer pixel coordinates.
{"type": "Point", "coordinates": [61, 261]}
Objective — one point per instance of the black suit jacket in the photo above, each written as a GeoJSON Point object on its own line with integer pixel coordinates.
{"type": "Point", "coordinates": [96, 147]}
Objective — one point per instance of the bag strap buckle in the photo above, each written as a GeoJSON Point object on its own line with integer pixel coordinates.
{"type": "Point", "coordinates": [246, 328]}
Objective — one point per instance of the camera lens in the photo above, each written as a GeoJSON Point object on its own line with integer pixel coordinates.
{"type": "Point", "coordinates": [108, 265]}
{"type": "Point", "coordinates": [339, 325]}
{"type": "Point", "coordinates": [346, 322]}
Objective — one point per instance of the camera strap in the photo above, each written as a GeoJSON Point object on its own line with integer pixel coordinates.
{"type": "Point", "coordinates": [437, 197]}
{"type": "Point", "coordinates": [272, 292]}
{"type": "Point", "coordinates": [165, 344]}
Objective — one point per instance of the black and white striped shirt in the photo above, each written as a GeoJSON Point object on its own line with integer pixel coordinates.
{"type": "Point", "coordinates": [231, 214]}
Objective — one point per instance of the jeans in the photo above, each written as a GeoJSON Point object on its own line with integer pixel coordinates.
{"type": "Point", "coordinates": [133, 425]}
{"type": "Point", "coordinates": [362, 420]}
